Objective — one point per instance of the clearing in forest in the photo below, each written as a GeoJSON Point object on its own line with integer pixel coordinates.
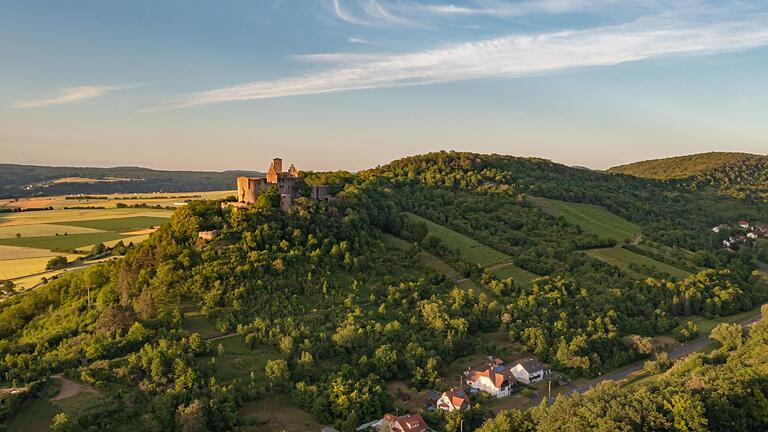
{"type": "Point", "coordinates": [622, 259]}
{"type": "Point", "coordinates": [473, 251]}
{"type": "Point", "coordinates": [591, 218]}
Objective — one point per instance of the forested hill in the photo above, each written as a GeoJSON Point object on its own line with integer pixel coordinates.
{"type": "Point", "coordinates": [329, 310]}
{"type": "Point", "coordinates": [17, 181]}
{"type": "Point", "coordinates": [734, 172]}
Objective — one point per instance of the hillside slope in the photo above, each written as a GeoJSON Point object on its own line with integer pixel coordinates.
{"type": "Point", "coordinates": [736, 172]}
{"type": "Point", "coordinates": [18, 181]}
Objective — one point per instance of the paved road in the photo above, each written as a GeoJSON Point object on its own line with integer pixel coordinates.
{"type": "Point", "coordinates": [675, 353]}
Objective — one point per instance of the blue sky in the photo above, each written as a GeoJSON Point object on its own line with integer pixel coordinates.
{"type": "Point", "coordinates": [349, 84]}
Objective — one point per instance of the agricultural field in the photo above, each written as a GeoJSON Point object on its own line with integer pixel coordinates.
{"type": "Point", "coordinates": [27, 239]}
{"type": "Point", "coordinates": [112, 200]}
{"type": "Point", "coordinates": [622, 259]}
{"type": "Point", "coordinates": [591, 218]}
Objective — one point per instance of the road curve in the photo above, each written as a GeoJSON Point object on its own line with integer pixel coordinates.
{"type": "Point", "coordinates": [675, 353]}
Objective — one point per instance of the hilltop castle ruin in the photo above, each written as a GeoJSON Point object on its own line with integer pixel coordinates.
{"type": "Point", "coordinates": [249, 188]}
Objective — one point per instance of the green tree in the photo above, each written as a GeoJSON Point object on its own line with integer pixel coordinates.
{"type": "Point", "coordinates": [277, 372]}
{"type": "Point", "coordinates": [730, 336]}
{"type": "Point", "coordinates": [56, 263]}
{"type": "Point", "coordinates": [62, 423]}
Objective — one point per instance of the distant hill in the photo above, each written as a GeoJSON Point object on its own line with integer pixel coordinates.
{"type": "Point", "coordinates": [18, 181]}
{"type": "Point", "coordinates": [737, 173]}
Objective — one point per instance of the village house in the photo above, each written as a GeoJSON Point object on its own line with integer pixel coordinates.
{"type": "Point", "coordinates": [493, 378]}
{"type": "Point", "coordinates": [530, 370]}
{"type": "Point", "coordinates": [752, 235]}
{"type": "Point", "coordinates": [405, 423]}
{"type": "Point", "coordinates": [744, 224]}
{"type": "Point", "coordinates": [721, 227]}
{"type": "Point", "coordinates": [453, 400]}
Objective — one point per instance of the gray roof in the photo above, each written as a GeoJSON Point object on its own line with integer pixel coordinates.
{"type": "Point", "coordinates": [532, 364]}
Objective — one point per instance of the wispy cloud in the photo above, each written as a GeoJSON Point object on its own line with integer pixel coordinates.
{"type": "Point", "coordinates": [367, 13]}
{"type": "Point", "coordinates": [518, 8]}
{"type": "Point", "coordinates": [342, 14]}
{"type": "Point", "coordinates": [70, 95]}
{"type": "Point", "coordinates": [510, 56]}
{"type": "Point", "coordinates": [357, 40]}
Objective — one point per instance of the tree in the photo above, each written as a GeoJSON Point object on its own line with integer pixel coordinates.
{"type": "Point", "coordinates": [56, 263]}
{"type": "Point", "coordinates": [18, 236]}
{"type": "Point", "coordinates": [191, 418]}
{"type": "Point", "coordinates": [98, 249]}
{"type": "Point", "coordinates": [687, 333]}
{"type": "Point", "coordinates": [62, 423]}
{"type": "Point", "coordinates": [7, 287]}
{"type": "Point", "coordinates": [659, 364]}
{"type": "Point", "coordinates": [277, 372]}
{"type": "Point", "coordinates": [730, 336]}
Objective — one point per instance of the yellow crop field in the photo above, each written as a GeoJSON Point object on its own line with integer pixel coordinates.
{"type": "Point", "coordinates": [15, 268]}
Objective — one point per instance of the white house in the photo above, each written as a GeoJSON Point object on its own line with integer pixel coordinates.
{"type": "Point", "coordinates": [495, 379]}
{"type": "Point", "coordinates": [453, 400]}
{"type": "Point", "coordinates": [529, 370]}
{"type": "Point", "coordinates": [752, 235]}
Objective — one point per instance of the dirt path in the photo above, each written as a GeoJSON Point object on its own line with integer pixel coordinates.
{"type": "Point", "coordinates": [70, 388]}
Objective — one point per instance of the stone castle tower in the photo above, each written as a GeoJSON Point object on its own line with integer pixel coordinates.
{"type": "Point", "coordinates": [249, 188]}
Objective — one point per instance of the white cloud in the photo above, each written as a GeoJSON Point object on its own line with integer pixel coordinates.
{"type": "Point", "coordinates": [70, 95]}
{"type": "Point", "coordinates": [357, 40]}
{"type": "Point", "coordinates": [342, 14]}
{"type": "Point", "coordinates": [510, 56]}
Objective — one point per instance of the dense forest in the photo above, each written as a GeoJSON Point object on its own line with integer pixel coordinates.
{"type": "Point", "coordinates": [345, 312]}
{"type": "Point", "coordinates": [19, 181]}
{"type": "Point", "coordinates": [740, 174]}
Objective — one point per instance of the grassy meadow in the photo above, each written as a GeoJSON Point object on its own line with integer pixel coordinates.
{"type": "Point", "coordinates": [473, 251]}
{"type": "Point", "coordinates": [622, 259]}
{"type": "Point", "coordinates": [591, 218]}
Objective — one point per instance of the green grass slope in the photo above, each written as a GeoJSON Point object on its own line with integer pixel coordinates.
{"type": "Point", "coordinates": [624, 259]}
{"type": "Point", "coordinates": [591, 218]}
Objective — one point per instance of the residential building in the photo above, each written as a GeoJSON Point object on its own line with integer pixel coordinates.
{"type": "Point", "coordinates": [530, 370]}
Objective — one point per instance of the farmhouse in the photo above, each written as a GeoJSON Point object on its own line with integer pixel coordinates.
{"type": "Point", "coordinates": [493, 378]}
{"type": "Point", "coordinates": [530, 370]}
{"type": "Point", "coordinates": [453, 400]}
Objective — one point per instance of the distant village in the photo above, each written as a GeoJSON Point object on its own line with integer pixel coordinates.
{"type": "Point", "coordinates": [739, 234]}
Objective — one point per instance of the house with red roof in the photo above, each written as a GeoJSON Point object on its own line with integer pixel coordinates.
{"type": "Point", "coordinates": [405, 423]}
{"type": "Point", "coordinates": [493, 378]}
{"type": "Point", "coordinates": [453, 400]}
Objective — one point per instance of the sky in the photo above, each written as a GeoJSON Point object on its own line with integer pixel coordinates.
{"type": "Point", "coordinates": [351, 84]}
